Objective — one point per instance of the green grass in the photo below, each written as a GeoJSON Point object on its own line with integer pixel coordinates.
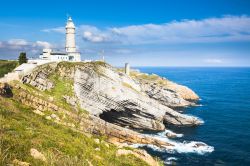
{"type": "Point", "coordinates": [58, 100]}
{"type": "Point", "coordinates": [129, 86]}
{"type": "Point", "coordinates": [7, 66]}
{"type": "Point", "coordinates": [21, 130]}
{"type": "Point", "coordinates": [62, 86]}
{"type": "Point", "coordinates": [144, 76]}
{"type": "Point", "coordinates": [95, 65]}
{"type": "Point", "coordinates": [73, 64]}
{"type": "Point", "coordinates": [152, 78]}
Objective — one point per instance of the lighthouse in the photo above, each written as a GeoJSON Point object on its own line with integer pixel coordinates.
{"type": "Point", "coordinates": [70, 53]}
{"type": "Point", "coordinates": [70, 44]}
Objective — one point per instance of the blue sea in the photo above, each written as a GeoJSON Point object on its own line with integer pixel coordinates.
{"type": "Point", "coordinates": [225, 110]}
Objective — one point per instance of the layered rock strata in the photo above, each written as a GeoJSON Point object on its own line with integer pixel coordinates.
{"type": "Point", "coordinates": [85, 124]}
{"type": "Point", "coordinates": [117, 98]}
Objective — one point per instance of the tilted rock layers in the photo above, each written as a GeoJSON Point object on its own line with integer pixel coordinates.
{"type": "Point", "coordinates": [117, 98]}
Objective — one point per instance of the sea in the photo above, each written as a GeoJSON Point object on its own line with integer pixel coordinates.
{"type": "Point", "coordinates": [224, 106]}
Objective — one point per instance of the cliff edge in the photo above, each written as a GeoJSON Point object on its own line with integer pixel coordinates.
{"type": "Point", "coordinates": [90, 99]}
{"type": "Point", "coordinates": [139, 101]}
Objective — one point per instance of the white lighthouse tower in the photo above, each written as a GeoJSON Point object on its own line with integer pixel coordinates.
{"type": "Point", "coordinates": [70, 44]}
{"type": "Point", "coordinates": [70, 53]}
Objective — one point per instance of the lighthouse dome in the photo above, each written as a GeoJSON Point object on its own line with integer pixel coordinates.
{"type": "Point", "coordinates": [70, 23]}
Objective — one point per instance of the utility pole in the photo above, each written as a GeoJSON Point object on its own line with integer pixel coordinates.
{"type": "Point", "coordinates": [102, 56]}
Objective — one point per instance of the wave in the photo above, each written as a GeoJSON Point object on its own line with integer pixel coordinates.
{"type": "Point", "coordinates": [179, 147]}
{"type": "Point", "coordinates": [169, 132]}
{"type": "Point", "coordinates": [171, 158]}
{"type": "Point", "coordinates": [197, 118]}
{"type": "Point", "coordinates": [170, 161]}
{"type": "Point", "coordinates": [192, 147]}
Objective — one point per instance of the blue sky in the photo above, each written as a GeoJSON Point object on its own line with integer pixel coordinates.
{"type": "Point", "coordinates": [141, 32]}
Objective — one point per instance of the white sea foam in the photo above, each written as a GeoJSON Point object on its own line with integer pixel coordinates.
{"type": "Point", "coordinates": [169, 163]}
{"type": "Point", "coordinates": [179, 147]}
{"type": "Point", "coordinates": [192, 147]}
{"type": "Point", "coordinates": [169, 160]}
{"type": "Point", "coordinates": [199, 119]}
{"type": "Point", "coordinates": [163, 134]}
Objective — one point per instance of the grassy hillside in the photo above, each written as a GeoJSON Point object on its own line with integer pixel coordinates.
{"type": "Point", "coordinates": [7, 66]}
{"type": "Point", "coordinates": [21, 130]}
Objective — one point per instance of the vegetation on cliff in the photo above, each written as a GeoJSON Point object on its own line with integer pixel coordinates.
{"type": "Point", "coordinates": [22, 130]}
{"type": "Point", "coordinates": [7, 66]}
{"type": "Point", "coordinates": [22, 58]}
{"type": "Point", "coordinates": [55, 123]}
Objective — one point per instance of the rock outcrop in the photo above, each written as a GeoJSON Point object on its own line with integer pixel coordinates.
{"type": "Point", "coordinates": [5, 90]}
{"type": "Point", "coordinates": [166, 92]}
{"type": "Point", "coordinates": [142, 154]}
{"type": "Point", "coordinates": [85, 124]}
{"type": "Point", "coordinates": [37, 155]}
{"type": "Point", "coordinates": [117, 98]}
{"type": "Point", "coordinates": [39, 78]}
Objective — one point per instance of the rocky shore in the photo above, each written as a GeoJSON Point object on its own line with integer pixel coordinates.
{"type": "Point", "coordinates": [99, 99]}
{"type": "Point", "coordinates": [128, 101]}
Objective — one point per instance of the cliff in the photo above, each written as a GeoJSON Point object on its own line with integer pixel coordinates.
{"type": "Point", "coordinates": [28, 138]}
{"type": "Point", "coordinates": [98, 99]}
{"type": "Point", "coordinates": [113, 96]}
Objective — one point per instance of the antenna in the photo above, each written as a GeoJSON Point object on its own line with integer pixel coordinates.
{"type": "Point", "coordinates": [102, 55]}
{"type": "Point", "coordinates": [67, 15]}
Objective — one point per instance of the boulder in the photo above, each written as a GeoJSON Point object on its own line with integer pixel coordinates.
{"type": "Point", "coordinates": [141, 154]}
{"type": "Point", "coordinates": [37, 155]}
{"type": "Point", "coordinates": [5, 90]}
{"type": "Point", "coordinates": [17, 162]}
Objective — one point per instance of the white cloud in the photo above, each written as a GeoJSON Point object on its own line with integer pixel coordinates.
{"type": "Point", "coordinates": [228, 28]}
{"type": "Point", "coordinates": [93, 34]}
{"type": "Point", "coordinates": [16, 43]}
{"type": "Point", "coordinates": [42, 44]}
{"type": "Point", "coordinates": [23, 45]}
{"type": "Point", "coordinates": [123, 51]}
{"type": "Point", "coordinates": [224, 29]}
{"type": "Point", "coordinates": [89, 36]}
{"type": "Point", "coordinates": [213, 61]}
{"type": "Point", "coordinates": [11, 49]}
{"type": "Point", "coordinates": [57, 30]}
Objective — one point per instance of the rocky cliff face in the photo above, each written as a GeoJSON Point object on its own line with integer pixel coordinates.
{"type": "Point", "coordinates": [133, 102]}
{"type": "Point", "coordinates": [80, 122]}
{"type": "Point", "coordinates": [166, 92]}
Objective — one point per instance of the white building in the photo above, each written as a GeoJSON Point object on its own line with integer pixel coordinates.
{"type": "Point", "coordinates": [70, 53]}
{"type": "Point", "coordinates": [48, 55]}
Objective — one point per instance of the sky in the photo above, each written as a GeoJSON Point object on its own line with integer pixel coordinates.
{"type": "Point", "coordinates": [141, 32]}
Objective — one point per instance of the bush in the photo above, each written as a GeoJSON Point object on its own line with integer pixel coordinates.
{"type": "Point", "coordinates": [22, 58]}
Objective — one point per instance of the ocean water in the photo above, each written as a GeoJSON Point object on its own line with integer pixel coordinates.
{"type": "Point", "coordinates": [225, 109]}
